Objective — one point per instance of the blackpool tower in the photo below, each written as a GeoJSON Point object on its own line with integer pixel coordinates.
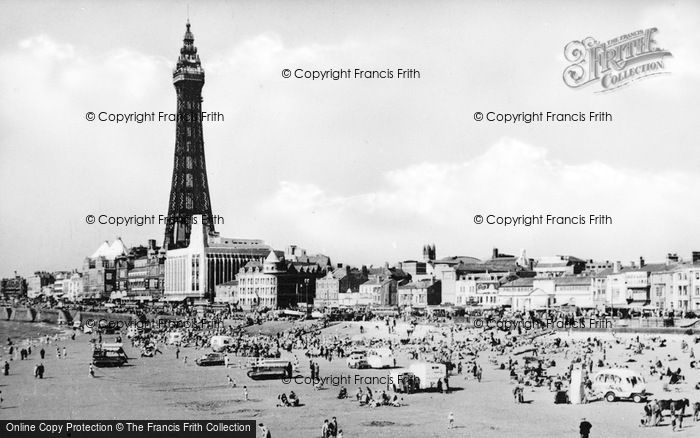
{"type": "Point", "coordinates": [189, 191]}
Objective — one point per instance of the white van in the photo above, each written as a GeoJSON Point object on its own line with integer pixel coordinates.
{"type": "Point", "coordinates": [424, 375]}
{"type": "Point", "coordinates": [381, 358]}
{"type": "Point", "coordinates": [221, 343]}
{"type": "Point", "coordinates": [620, 383]}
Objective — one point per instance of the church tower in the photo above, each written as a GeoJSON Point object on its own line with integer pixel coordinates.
{"type": "Point", "coordinates": [189, 191]}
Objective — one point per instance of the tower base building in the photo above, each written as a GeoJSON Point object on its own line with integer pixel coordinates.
{"type": "Point", "coordinates": [193, 272]}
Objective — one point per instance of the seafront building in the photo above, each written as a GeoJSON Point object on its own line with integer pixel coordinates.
{"type": "Point", "coordinates": [100, 271]}
{"type": "Point", "coordinates": [277, 283]}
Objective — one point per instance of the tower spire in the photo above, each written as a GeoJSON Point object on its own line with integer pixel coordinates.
{"type": "Point", "coordinates": [189, 191]}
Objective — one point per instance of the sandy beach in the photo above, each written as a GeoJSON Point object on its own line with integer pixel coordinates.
{"type": "Point", "coordinates": [164, 387]}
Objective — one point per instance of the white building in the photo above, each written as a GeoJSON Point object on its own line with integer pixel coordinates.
{"type": "Point", "coordinates": [479, 289]}
{"type": "Point", "coordinates": [209, 260]}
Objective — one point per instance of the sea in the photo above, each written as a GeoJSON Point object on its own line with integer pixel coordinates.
{"type": "Point", "coordinates": [19, 332]}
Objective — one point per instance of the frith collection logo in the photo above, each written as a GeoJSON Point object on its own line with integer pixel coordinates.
{"type": "Point", "coordinates": [614, 63]}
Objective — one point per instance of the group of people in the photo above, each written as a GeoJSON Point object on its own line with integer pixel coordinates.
{"type": "Point", "coordinates": [288, 402]}
{"type": "Point", "coordinates": [330, 429]}
{"type": "Point", "coordinates": [376, 399]}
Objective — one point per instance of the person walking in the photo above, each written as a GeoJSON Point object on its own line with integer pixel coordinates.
{"type": "Point", "coordinates": [325, 429]}
{"type": "Point", "coordinates": [333, 428]}
{"type": "Point", "coordinates": [245, 393]}
{"type": "Point", "coordinates": [656, 412]}
{"type": "Point", "coordinates": [92, 370]}
{"type": "Point", "coordinates": [65, 354]}
{"type": "Point", "coordinates": [584, 428]}
{"type": "Point", "coordinates": [451, 420]}
{"type": "Point", "coordinates": [42, 353]}
{"type": "Point", "coordinates": [647, 414]}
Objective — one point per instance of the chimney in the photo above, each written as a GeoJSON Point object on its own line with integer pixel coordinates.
{"type": "Point", "coordinates": [494, 254]}
{"type": "Point", "coordinates": [642, 263]}
{"type": "Point", "coordinates": [151, 243]}
{"type": "Point", "coordinates": [671, 258]}
{"type": "Point", "coordinates": [696, 256]}
{"type": "Point", "coordinates": [617, 268]}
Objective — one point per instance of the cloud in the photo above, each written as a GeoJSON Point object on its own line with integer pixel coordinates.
{"type": "Point", "coordinates": [435, 201]}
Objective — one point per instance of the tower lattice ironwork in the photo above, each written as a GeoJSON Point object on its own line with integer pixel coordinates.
{"type": "Point", "coordinates": [189, 191]}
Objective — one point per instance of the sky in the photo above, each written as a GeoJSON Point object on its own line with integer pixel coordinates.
{"type": "Point", "coordinates": [365, 171]}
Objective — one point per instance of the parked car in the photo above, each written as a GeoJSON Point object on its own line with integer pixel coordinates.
{"type": "Point", "coordinates": [210, 359]}
{"type": "Point", "coordinates": [620, 384]}
{"type": "Point", "coordinates": [357, 359]}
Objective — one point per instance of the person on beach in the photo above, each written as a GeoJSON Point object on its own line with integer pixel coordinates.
{"type": "Point", "coordinates": [42, 353]}
{"type": "Point", "coordinates": [92, 370]}
{"type": "Point", "coordinates": [325, 429]}
{"type": "Point", "coordinates": [584, 428]}
{"type": "Point", "coordinates": [6, 368]}
{"type": "Point", "coordinates": [451, 420]}
{"type": "Point", "coordinates": [177, 352]}
{"type": "Point", "coordinates": [264, 431]}
{"type": "Point", "coordinates": [245, 393]}
{"type": "Point", "coordinates": [65, 355]}
{"type": "Point", "coordinates": [333, 428]}
{"type": "Point", "coordinates": [656, 412]}
{"type": "Point", "coordinates": [648, 412]}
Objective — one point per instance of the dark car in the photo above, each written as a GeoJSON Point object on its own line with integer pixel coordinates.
{"type": "Point", "coordinates": [210, 359]}
{"type": "Point", "coordinates": [109, 355]}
